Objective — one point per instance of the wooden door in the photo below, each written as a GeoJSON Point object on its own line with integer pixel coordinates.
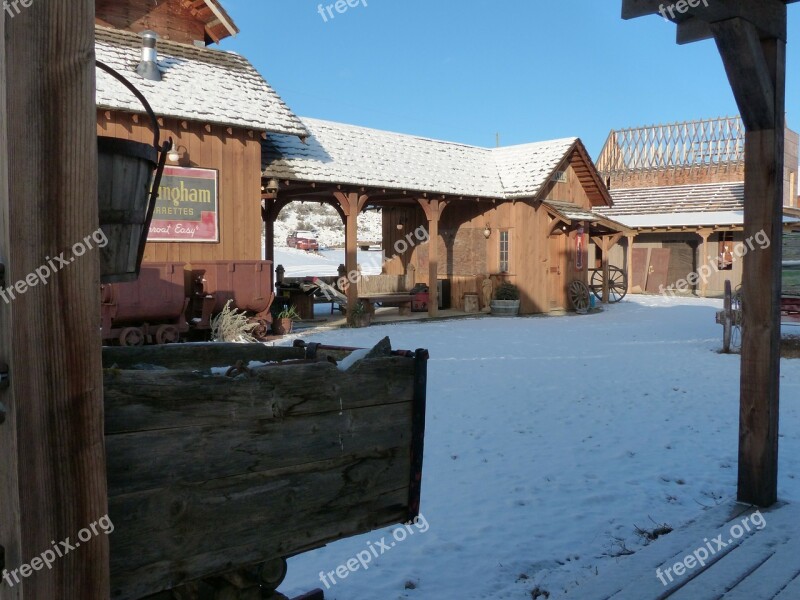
{"type": "Point", "coordinates": [638, 270]}
{"type": "Point", "coordinates": [658, 271]}
{"type": "Point", "coordinates": [681, 262]}
{"type": "Point", "coordinates": [557, 272]}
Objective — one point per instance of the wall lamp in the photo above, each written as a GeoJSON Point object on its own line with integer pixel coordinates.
{"type": "Point", "coordinates": [487, 231]}
{"type": "Point", "coordinates": [272, 187]}
{"type": "Point", "coordinates": [175, 154]}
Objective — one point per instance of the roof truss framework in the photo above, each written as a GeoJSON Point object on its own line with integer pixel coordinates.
{"type": "Point", "coordinates": [707, 144]}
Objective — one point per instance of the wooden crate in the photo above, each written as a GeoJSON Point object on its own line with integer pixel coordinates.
{"type": "Point", "coordinates": [208, 474]}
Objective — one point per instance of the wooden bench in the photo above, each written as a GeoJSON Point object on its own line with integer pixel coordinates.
{"type": "Point", "coordinates": [400, 299]}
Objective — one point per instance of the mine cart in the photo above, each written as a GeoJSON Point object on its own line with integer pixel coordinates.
{"type": "Point", "coordinates": [224, 459]}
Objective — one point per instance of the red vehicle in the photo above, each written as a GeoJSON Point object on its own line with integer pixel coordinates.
{"type": "Point", "coordinates": [303, 240]}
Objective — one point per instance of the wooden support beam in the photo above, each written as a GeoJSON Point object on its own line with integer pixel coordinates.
{"type": "Point", "coordinates": [349, 204]}
{"type": "Point", "coordinates": [750, 76]}
{"type": "Point", "coordinates": [432, 209]}
{"type": "Point", "coordinates": [629, 261]}
{"type": "Point", "coordinates": [767, 16]}
{"type": "Point", "coordinates": [704, 235]}
{"type": "Point", "coordinates": [53, 469]}
{"type": "Point", "coordinates": [759, 84]}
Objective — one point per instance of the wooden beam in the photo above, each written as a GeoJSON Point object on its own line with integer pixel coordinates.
{"type": "Point", "coordinates": [761, 283]}
{"type": "Point", "coordinates": [629, 261]}
{"type": "Point", "coordinates": [767, 16]}
{"type": "Point", "coordinates": [704, 235]}
{"type": "Point", "coordinates": [432, 209]}
{"type": "Point", "coordinates": [53, 468]}
{"type": "Point", "coordinates": [749, 74]}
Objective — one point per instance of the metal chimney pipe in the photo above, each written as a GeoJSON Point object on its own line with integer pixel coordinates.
{"type": "Point", "coordinates": [148, 68]}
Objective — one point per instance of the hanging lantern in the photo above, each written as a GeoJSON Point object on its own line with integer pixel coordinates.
{"type": "Point", "coordinates": [129, 175]}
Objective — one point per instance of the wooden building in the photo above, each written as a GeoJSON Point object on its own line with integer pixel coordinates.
{"type": "Point", "coordinates": [678, 193]}
{"type": "Point", "coordinates": [521, 214]}
{"type": "Point", "coordinates": [216, 108]}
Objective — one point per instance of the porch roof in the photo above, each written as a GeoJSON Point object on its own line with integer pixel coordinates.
{"type": "Point", "coordinates": [342, 154]}
{"type": "Point", "coordinates": [710, 204]}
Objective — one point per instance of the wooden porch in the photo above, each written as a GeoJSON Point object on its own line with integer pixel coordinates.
{"type": "Point", "coordinates": [762, 564]}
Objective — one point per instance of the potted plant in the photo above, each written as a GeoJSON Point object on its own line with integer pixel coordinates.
{"type": "Point", "coordinates": [361, 316]}
{"type": "Point", "coordinates": [506, 302]}
{"type": "Point", "coordinates": [284, 321]}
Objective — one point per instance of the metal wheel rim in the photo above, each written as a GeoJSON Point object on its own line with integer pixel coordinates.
{"type": "Point", "coordinates": [132, 336]}
{"type": "Point", "coordinates": [579, 295]}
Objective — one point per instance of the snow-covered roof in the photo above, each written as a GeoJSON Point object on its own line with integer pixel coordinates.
{"type": "Point", "coordinates": [198, 84]}
{"type": "Point", "coordinates": [572, 212]}
{"type": "Point", "coordinates": [525, 169]}
{"type": "Point", "coordinates": [711, 204]}
{"type": "Point", "coordinates": [351, 155]}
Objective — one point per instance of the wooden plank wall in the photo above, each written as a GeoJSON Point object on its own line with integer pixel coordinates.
{"type": "Point", "coordinates": [168, 18]}
{"type": "Point", "coordinates": [236, 153]}
{"type": "Point", "coordinates": [252, 468]}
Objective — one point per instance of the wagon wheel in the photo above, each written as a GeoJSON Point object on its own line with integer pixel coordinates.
{"type": "Point", "coordinates": [579, 296]}
{"type": "Point", "coordinates": [617, 284]}
{"type": "Point", "coordinates": [272, 573]}
{"type": "Point", "coordinates": [167, 334]}
{"type": "Point", "coordinates": [131, 336]}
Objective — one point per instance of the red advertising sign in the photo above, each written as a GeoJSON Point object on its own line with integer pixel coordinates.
{"type": "Point", "coordinates": [187, 209]}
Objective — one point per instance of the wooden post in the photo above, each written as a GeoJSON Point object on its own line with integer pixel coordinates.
{"type": "Point", "coordinates": [269, 230]}
{"type": "Point", "coordinates": [751, 38]}
{"type": "Point", "coordinates": [53, 468]}
{"type": "Point", "coordinates": [351, 204]}
{"type": "Point", "coordinates": [269, 214]}
{"type": "Point", "coordinates": [756, 68]}
{"type": "Point", "coordinates": [704, 234]}
{"type": "Point", "coordinates": [432, 210]}
{"type": "Point", "coordinates": [629, 261]}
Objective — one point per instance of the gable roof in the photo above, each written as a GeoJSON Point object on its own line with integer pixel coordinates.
{"type": "Point", "coordinates": [343, 154]}
{"type": "Point", "coordinates": [198, 84]}
{"type": "Point", "coordinates": [139, 16]}
{"type": "Point", "coordinates": [217, 21]}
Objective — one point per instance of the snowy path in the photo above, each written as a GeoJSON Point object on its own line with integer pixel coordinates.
{"type": "Point", "coordinates": [547, 438]}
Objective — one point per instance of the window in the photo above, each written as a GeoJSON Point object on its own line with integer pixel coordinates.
{"type": "Point", "coordinates": [504, 251]}
{"type": "Point", "coordinates": [725, 256]}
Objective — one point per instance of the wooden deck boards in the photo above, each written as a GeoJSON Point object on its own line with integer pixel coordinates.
{"type": "Point", "coordinates": [762, 564]}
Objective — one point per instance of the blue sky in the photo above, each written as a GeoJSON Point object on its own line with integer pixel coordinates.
{"type": "Point", "coordinates": [467, 70]}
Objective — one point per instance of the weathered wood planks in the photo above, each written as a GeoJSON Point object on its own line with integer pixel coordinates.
{"type": "Point", "coordinates": [208, 474]}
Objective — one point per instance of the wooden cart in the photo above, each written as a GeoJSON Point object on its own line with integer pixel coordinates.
{"type": "Point", "coordinates": [215, 472]}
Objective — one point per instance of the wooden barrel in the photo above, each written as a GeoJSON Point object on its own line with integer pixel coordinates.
{"type": "Point", "coordinates": [125, 173]}
{"type": "Point", "coordinates": [505, 308]}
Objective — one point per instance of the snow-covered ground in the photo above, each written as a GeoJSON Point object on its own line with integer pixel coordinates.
{"type": "Point", "coordinates": [549, 440]}
{"type": "Point", "coordinates": [299, 263]}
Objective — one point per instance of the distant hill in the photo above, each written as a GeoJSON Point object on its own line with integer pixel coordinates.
{"type": "Point", "coordinates": [326, 222]}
